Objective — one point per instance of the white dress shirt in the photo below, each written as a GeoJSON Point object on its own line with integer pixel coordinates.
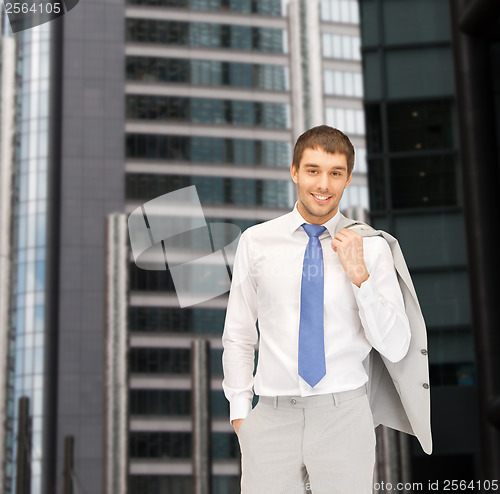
{"type": "Point", "coordinates": [266, 285]}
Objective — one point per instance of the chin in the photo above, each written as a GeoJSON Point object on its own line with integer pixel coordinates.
{"type": "Point", "coordinates": [317, 210]}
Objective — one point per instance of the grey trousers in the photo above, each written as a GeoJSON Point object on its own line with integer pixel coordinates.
{"type": "Point", "coordinates": [323, 444]}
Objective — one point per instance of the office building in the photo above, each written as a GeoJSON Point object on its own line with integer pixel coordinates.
{"type": "Point", "coordinates": [116, 105]}
{"type": "Point", "coordinates": [419, 113]}
{"type": "Point", "coordinates": [210, 102]}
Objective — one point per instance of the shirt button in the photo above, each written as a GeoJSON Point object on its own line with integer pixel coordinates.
{"type": "Point", "coordinates": [423, 351]}
{"type": "Point", "coordinates": [425, 385]}
{"type": "Point", "coordinates": [293, 401]}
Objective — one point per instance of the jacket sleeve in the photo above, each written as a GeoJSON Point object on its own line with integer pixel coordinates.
{"type": "Point", "coordinates": [240, 333]}
{"type": "Point", "coordinates": [380, 302]}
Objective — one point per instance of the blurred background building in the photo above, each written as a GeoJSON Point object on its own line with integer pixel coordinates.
{"type": "Point", "coordinates": [115, 104]}
{"type": "Point", "coordinates": [419, 116]}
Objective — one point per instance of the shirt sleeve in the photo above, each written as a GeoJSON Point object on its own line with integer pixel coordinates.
{"type": "Point", "coordinates": [240, 333]}
{"type": "Point", "coordinates": [380, 302]}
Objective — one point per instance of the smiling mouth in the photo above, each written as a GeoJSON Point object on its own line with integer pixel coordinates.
{"type": "Point", "coordinates": [321, 199]}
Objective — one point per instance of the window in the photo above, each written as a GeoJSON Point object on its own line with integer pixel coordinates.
{"type": "Point", "coordinates": [420, 126]}
{"type": "Point", "coordinates": [423, 182]}
{"type": "Point", "coordinates": [341, 83]}
{"type": "Point", "coordinates": [419, 72]}
{"type": "Point", "coordinates": [207, 73]}
{"type": "Point", "coordinates": [341, 46]}
{"type": "Point", "coordinates": [347, 120]}
{"type": "Point", "coordinates": [208, 150]}
{"type": "Point", "coordinates": [444, 235]}
{"type": "Point", "coordinates": [160, 445]}
{"type": "Point", "coordinates": [344, 11]}
{"type": "Point", "coordinates": [444, 297]}
{"type": "Point", "coordinates": [203, 34]}
{"type": "Point", "coordinates": [208, 111]}
{"type": "Point", "coordinates": [159, 402]}
{"type": "Point", "coordinates": [263, 7]}
{"type": "Point", "coordinates": [360, 165]}
{"type": "Point", "coordinates": [211, 190]}
{"type": "Point", "coordinates": [415, 22]}
{"type": "Point", "coordinates": [155, 484]}
{"type": "Point", "coordinates": [355, 195]}
{"type": "Point", "coordinates": [171, 320]}
{"type": "Point", "coordinates": [170, 360]}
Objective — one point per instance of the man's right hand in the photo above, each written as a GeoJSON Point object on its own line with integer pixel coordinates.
{"type": "Point", "coordinates": [236, 423]}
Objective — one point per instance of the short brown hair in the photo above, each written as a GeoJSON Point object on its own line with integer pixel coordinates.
{"type": "Point", "coordinates": [329, 139]}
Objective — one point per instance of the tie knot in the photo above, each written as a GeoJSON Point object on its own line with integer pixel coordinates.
{"type": "Point", "coordinates": [313, 230]}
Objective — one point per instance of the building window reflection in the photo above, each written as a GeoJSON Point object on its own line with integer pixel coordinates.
{"type": "Point", "coordinates": [420, 125]}
{"type": "Point", "coordinates": [172, 402]}
{"type": "Point", "coordinates": [211, 190]}
{"type": "Point", "coordinates": [349, 120]}
{"type": "Point", "coordinates": [172, 320]}
{"type": "Point", "coordinates": [208, 150]}
{"type": "Point", "coordinates": [206, 35]}
{"type": "Point", "coordinates": [343, 11]}
{"type": "Point", "coordinates": [263, 7]}
{"type": "Point", "coordinates": [27, 372]}
{"type": "Point", "coordinates": [208, 111]}
{"type": "Point", "coordinates": [207, 73]}
{"type": "Point", "coordinates": [160, 445]}
{"type": "Point", "coordinates": [169, 360]}
{"type": "Point", "coordinates": [341, 46]}
{"type": "Point", "coordinates": [342, 83]}
{"type": "Point", "coordinates": [145, 484]}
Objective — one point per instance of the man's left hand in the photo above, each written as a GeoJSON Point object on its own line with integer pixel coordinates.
{"type": "Point", "coordinates": [349, 247]}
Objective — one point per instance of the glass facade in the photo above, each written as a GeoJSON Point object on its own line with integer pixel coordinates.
{"type": "Point", "coordinates": [28, 369]}
{"type": "Point", "coordinates": [343, 11]}
{"type": "Point", "coordinates": [208, 111]}
{"type": "Point", "coordinates": [342, 83]}
{"type": "Point", "coordinates": [255, 159]}
{"type": "Point", "coordinates": [263, 7]}
{"type": "Point", "coordinates": [179, 484]}
{"type": "Point", "coordinates": [172, 403]}
{"type": "Point", "coordinates": [205, 35]}
{"type": "Point", "coordinates": [341, 46]}
{"type": "Point", "coordinates": [169, 361]}
{"type": "Point", "coordinates": [412, 153]}
{"type": "Point", "coordinates": [209, 150]}
{"type": "Point", "coordinates": [349, 120]}
{"type": "Point", "coordinates": [175, 320]}
{"type": "Point", "coordinates": [212, 190]}
{"type": "Point", "coordinates": [416, 189]}
{"type": "Point", "coordinates": [207, 73]}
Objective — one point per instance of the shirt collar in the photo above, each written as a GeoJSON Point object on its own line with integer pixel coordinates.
{"type": "Point", "coordinates": [296, 220]}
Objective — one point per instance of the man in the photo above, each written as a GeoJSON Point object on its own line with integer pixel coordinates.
{"type": "Point", "coordinates": [323, 299]}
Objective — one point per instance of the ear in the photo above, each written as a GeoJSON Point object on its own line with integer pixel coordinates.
{"type": "Point", "coordinates": [294, 173]}
{"type": "Point", "coordinates": [348, 181]}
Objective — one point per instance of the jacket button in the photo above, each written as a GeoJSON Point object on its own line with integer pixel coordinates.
{"type": "Point", "coordinates": [293, 401]}
{"type": "Point", "coordinates": [425, 385]}
{"type": "Point", "coordinates": [423, 351]}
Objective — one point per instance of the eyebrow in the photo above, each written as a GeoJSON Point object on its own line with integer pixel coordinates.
{"type": "Point", "coordinates": [314, 165]}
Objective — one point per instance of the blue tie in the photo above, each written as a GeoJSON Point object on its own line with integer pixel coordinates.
{"type": "Point", "coordinates": [312, 366]}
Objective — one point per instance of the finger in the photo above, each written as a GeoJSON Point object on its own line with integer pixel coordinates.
{"type": "Point", "coordinates": [340, 236]}
{"type": "Point", "coordinates": [336, 241]}
{"type": "Point", "coordinates": [350, 233]}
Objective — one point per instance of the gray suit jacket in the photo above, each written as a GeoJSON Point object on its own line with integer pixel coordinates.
{"type": "Point", "coordinates": [399, 392]}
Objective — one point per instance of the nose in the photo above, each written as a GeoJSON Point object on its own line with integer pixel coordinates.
{"type": "Point", "coordinates": [322, 182]}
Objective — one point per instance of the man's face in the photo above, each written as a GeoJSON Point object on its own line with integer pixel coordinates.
{"type": "Point", "coordinates": [321, 179]}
